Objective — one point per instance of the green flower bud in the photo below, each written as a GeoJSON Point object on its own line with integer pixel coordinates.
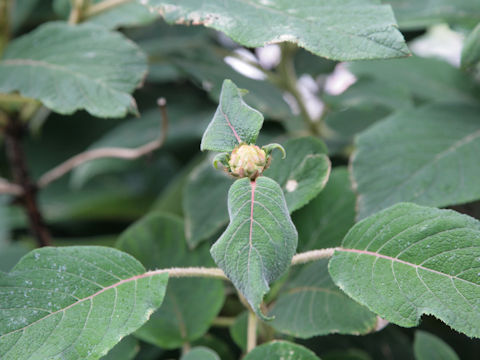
{"type": "Point", "coordinates": [247, 161]}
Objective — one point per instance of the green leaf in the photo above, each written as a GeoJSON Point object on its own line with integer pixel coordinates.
{"type": "Point", "coordinates": [93, 69]}
{"type": "Point", "coordinates": [414, 14]}
{"type": "Point", "coordinates": [410, 260]}
{"type": "Point", "coordinates": [427, 347]}
{"type": "Point", "coordinates": [349, 30]}
{"type": "Point", "coordinates": [471, 49]}
{"type": "Point", "coordinates": [126, 349]}
{"type": "Point", "coordinates": [238, 331]}
{"type": "Point", "coordinates": [74, 302]}
{"type": "Point", "coordinates": [424, 155]}
{"type": "Point", "coordinates": [280, 350]}
{"type": "Point", "coordinates": [190, 305]}
{"type": "Point", "coordinates": [260, 241]}
{"type": "Point", "coordinates": [205, 185]}
{"type": "Point", "coordinates": [426, 79]}
{"type": "Point", "coordinates": [304, 172]}
{"type": "Point", "coordinates": [311, 305]}
{"type": "Point", "coordinates": [200, 353]}
{"type": "Point", "coordinates": [234, 122]}
{"type": "Point", "coordinates": [326, 219]}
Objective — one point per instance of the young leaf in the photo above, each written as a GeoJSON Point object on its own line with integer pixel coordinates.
{"type": "Point", "coordinates": [427, 346]}
{"type": "Point", "coordinates": [234, 122]}
{"type": "Point", "coordinates": [260, 241]}
{"type": "Point", "coordinates": [326, 219]}
{"type": "Point", "coordinates": [303, 173]}
{"type": "Point", "coordinates": [190, 305]}
{"type": "Point", "coordinates": [280, 350]}
{"type": "Point", "coordinates": [426, 155]}
{"type": "Point", "coordinates": [313, 305]}
{"type": "Point", "coordinates": [74, 302]}
{"type": "Point", "coordinates": [347, 30]}
{"type": "Point", "coordinates": [93, 69]}
{"type": "Point", "coordinates": [410, 260]}
{"type": "Point", "coordinates": [471, 49]}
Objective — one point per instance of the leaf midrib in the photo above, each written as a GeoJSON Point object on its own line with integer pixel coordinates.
{"type": "Point", "coordinates": [113, 286]}
{"type": "Point", "coordinates": [394, 259]}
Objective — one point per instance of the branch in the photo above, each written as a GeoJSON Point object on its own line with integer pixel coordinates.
{"type": "Point", "coordinates": [217, 273]}
{"type": "Point", "coordinates": [7, 187]}
{"type": "Point", "coordinates": [108, 152]}
{"type": "Point", "coordinates": [100, 7]}
{"type": "Point", "coordinates": [14, 132]}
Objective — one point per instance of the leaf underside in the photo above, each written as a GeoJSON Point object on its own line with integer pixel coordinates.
{"type": "Point", "coordinates": [52, 291]}
{"type": "Point", "coordinates": [340, 30]}
{"type": "Point", "coordinates": [410, 260]}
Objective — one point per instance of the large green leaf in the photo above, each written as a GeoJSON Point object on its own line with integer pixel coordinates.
{"type": "Point", "coordinates": [325, 221]}
{"type": "Point", "coordinates": [92, 69]}
{"type": "Point", "coordinates": [234, 121]}
{"type": "Point", "coordinates": [418, 14]}
{"type": "Point", "coordinates": [126, 349]}
{"type": "Point", "coordinates": [426, 155]}
{"type": "Point", "coordinates": [205, 186]}
{"type": "Point", "coordinates": [74, 303]}
{"type": "Point", "coordinates": [311, 305]}
{"type": "Point", "coordinates": [471, 49]}
{"type": "Point", "coordinates": [303, 173]}
{"type": "Point", "coordinates": [190, 305]}
{"type": "Point", "coordinates": [410, 260]}
{"type": "Point", "coordinates": [281, 350]}
{"type": "Point", "coordinates": [426, 79]}
{"type": "Point", "coordinates": [429, 347]}
{"type": "Point", "coordinates": [260, 241]}
{"type": "Point", "coordinates": [344, 30]}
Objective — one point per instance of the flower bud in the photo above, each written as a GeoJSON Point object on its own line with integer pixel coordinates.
{"type": "Point", "coordinates": [247, 161]}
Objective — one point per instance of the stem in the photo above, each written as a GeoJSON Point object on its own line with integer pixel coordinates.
{"type": "Point", "coordinates": [5, 7]}
{"type": "Point", "coordinates": [103, 6]}
{"type": "Point", "coordinates": [251, 331]}
{"type": "Point", "coordinates": [312, 255]}
{"type": "Point", "coordinates": [222, 321]}
{"type": "Point", "coordinates": [112, 152]}
{"type": "Point", "coordinates": [14, 132]}
{"type": "Point", "coordinates": [289, 81]}
{"type": "Point", "coordinates": [76, 14]}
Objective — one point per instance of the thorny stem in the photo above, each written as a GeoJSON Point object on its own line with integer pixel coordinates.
{"type": "Point", "coordinates": [14, 132]}
{"type": "Point", "coordinates": [113, 152]}
{"type": "Point", "coordinates": [251, 331]}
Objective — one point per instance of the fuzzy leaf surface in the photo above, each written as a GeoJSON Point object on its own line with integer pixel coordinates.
{"type": "Point", "coordinates": [343, 30]}
{"type": "Point", "coordinates": [427, 346]}
{"type": "Point", "coordinates": [260, 241]}
{"type": "Point", "coordinates": [427, 155]}
{"type": "Point", "coordinates": [281, 350]}
{"type": "Point", "coordinates": [471, 49]}
{"type": "Point", "coordinates": [410, 260]}
{"type": "Point", "coordinates": [74, 302]}
{"type": "Point", "coordinates": [303, 173]}
{"type": "Point", "coordinates": [190, 304]}
{"type": "Point", "coordinates": [93, 69]}
{"type": "Point", "coordinates": [326, 219]}
{"type": "Point", "coordinates": [312, 305]}
{"type": "Point", "coordinates": [234, 122]}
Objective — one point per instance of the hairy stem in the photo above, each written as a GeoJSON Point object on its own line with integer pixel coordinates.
{"type": "Point", "coordinates": [103, 6]}
{"type": "Point", "coordinates": [222, 321]}
{"type": "Point", "coordinates": [108, 152]}
{"type": "Point", "coordinates": [76, 14]}
{"type": "Point", "coordinates": [289, 83]}
{"type": "Point", "coordinates": [14, 133]}
{"type": "Point", "coordinates": [251, 331]}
